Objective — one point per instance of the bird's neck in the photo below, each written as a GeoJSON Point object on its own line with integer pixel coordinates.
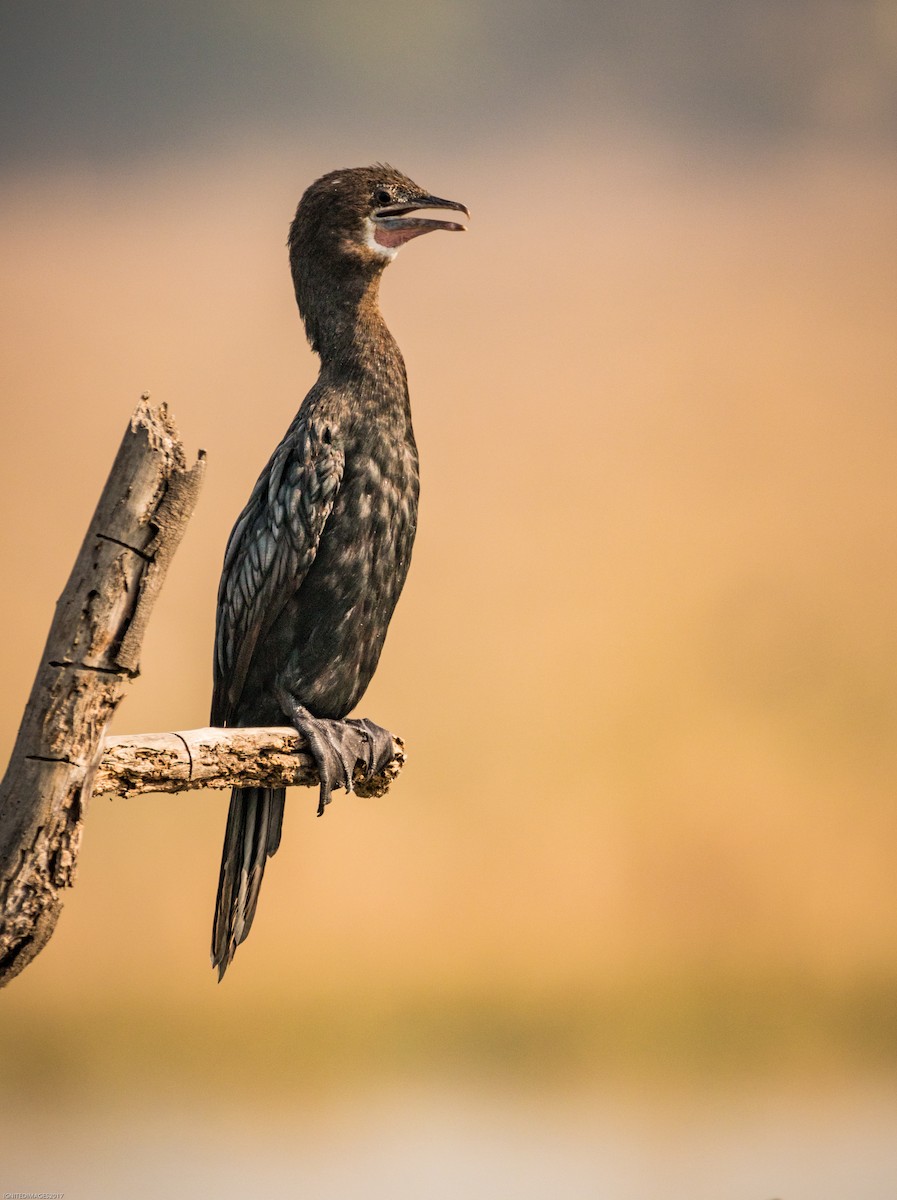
{"type": "Point", "coordinates": [345, 325]}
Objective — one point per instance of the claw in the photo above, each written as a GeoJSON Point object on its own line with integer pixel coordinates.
{"type": "Point", "coordinates": [336, 747]}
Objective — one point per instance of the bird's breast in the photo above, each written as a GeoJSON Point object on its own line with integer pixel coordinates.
{"type": "Point", "coordinates": [342, 611]}
{"type": "Point", "coordinates": [371, 532]}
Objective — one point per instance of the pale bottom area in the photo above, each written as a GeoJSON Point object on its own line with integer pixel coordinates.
{"type": "Point", "coordinates": [414, 1143]}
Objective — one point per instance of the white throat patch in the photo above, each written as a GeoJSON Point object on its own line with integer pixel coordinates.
{"type": "Point", "coordinates": [370, 240]}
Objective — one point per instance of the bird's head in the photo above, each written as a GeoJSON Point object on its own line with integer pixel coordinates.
{"type": "Point", "coordinates": [363, 215]}
{"type": "Point", "coordinates": [348, 226]}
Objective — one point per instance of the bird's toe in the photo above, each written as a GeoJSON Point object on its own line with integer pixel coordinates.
{"type": "Point", "coordinates": [379, 745]}
{"type": "Point", "coordinates": [336, 747]}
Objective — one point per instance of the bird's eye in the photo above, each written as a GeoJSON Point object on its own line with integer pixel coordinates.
{"type": "Point", "coordinates": [383, 197]}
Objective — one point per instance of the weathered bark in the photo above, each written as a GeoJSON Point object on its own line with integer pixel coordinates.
{"type": "Point", "coordinates": [218, 758]}
{"type": "Point", "coordinates": [91, 655]}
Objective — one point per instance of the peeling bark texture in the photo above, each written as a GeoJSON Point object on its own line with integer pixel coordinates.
{"type": "Point", "coordinates": [219, 758]}
{"type": "Point", "coordinates": [91, 655]}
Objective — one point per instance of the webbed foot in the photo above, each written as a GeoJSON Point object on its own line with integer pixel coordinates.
{"type": "Point", "coordinates": [379, 743]}
{"type": "Point", "coordinates": [337, 746]}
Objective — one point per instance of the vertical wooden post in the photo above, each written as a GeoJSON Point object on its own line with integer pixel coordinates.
{"type": "Point", "coordinates": [91, 655]}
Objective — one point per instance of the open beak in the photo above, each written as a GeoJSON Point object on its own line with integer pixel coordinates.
{"type": "Point", "coordinates": [395, 225]}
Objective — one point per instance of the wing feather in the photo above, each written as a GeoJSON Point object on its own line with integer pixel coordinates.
{"type": "Point", "coordinates": [272, 546]}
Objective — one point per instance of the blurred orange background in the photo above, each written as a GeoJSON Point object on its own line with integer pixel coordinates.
{"type": "Point", "coordinates": [645, 663]}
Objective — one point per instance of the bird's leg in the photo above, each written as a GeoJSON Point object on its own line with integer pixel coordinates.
{"type": "Point", "coordinates": [336, 747]}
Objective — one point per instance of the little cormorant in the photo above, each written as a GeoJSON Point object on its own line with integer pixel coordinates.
{"type": "Point", "coordinates": [317, 559]}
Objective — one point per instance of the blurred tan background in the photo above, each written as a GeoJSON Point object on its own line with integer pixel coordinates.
{"type": "Point", "coordinates": [642, 859]}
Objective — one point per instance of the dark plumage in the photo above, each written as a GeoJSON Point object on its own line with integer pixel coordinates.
{"type": "Point", "coordinates": [318, 557]}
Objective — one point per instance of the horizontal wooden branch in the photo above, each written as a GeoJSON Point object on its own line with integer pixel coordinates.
{"type": "Point", "coordinates": [219, 758]}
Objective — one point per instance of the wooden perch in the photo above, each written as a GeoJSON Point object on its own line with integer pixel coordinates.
{"type": "Point", "coordinates": [219, 758]}
{"type": "Point", "coordinates": [91, 655]}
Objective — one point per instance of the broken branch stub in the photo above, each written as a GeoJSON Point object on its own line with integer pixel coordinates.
{"type": "Point", "coordinates": [92, 652]}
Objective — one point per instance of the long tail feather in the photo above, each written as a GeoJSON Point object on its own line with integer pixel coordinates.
{"type": "Point", "coordinates": [254, 823]}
